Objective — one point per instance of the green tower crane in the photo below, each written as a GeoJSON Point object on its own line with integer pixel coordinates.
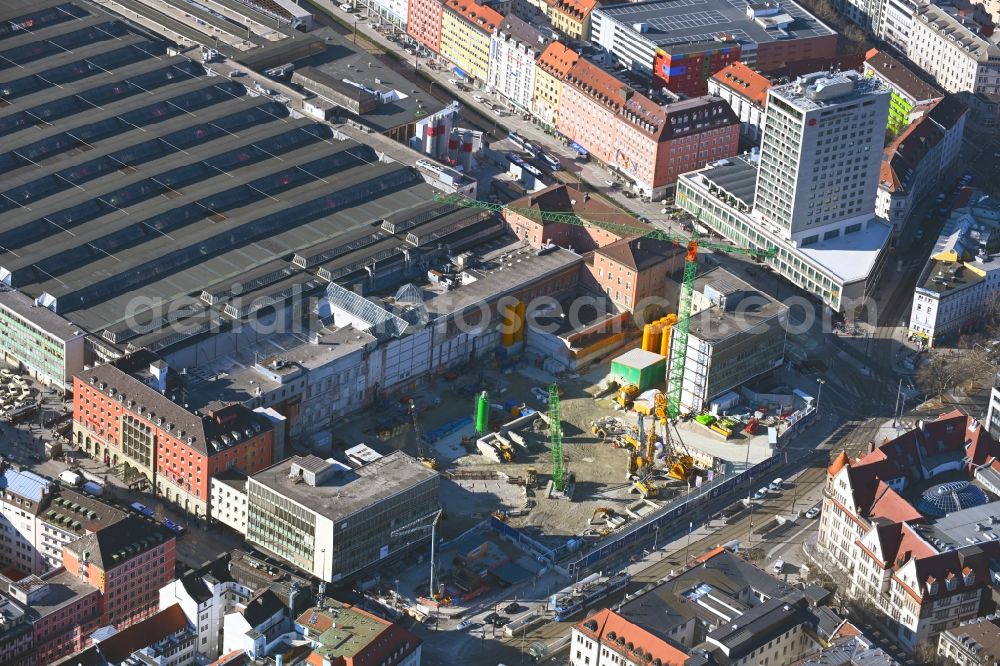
{"type": "Point", "coordinates": [679, 333]}
{"type": "Point", "coordinates": [555, 440]}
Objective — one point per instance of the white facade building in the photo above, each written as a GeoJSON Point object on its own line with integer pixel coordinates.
{"type": "Point", "coordinates": [391, 11]}
{"type": "Point", "coordinates": [228, 503]}
{"type": "Point", "coordinates": [812, 196]}
{"type": "Point", "coordinates": [206, 595]}
{"type": "Point", "coordinates": [746, 92]}
{"type": "Point", "coordinates": [923, 560]}
{"type": "Point", "coordinates": [894, 22]}
{"type": "Point", "coordinates": [22, 494]}
{"type": "Point", "coordinates": [820, 158]}
{"type": "Point", "coordinates": [961, 276]}
{"type": "Point", "coordinates": [950, 48]}
{"type": "Point", "coordinates": [514, 48]}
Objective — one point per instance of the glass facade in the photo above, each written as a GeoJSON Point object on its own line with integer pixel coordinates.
{"type": "Point", "coordinates": [42, 353]}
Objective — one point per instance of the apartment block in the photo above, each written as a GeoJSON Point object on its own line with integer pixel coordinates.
{"type": "Point", "coordinates": [647, 142]}
{"type": "Point", "coordinates": [551, 68]}
{"type": "Point", "coordinates": [918, 159]}
{"type": "Point", "coordinates": [22, 497]}
{"type": "Point", "coordinates": [423, 22]}
{"type": "Point", "coordinates": [686, 68]}
{"type": "Point", "coordinates": [128, 562]}
{"type": "Point", "coordinates": [631, 271]}
{"type": "Point", "coordinates": [972, 643]}
{"type": "Point", "coordinates": [778, 631]}
{"type": "Point", "coordinates": [962, 274]}
{"type": "Point", "coordinates": [736, 334]}
{"type": "Point", "coordinates": [122, 413]}
{"type": "Point", "coordinates": [606, 638]}
{"type": "Point", "coordinates": [65, 610]}
{"type": "Point", "coordinates": [865, 13]}
{"type": "Point", "coordinates": [36, 340]}
{"type": "Point", "coordinates": [746, 92]}
{"type": "Point", "coordinates": [951, 47]}
{"type": "Point", "coordinates": [228, 492]}
{"type": "Point", "coordinates": [67, 515]}
{"type": "Point", "coordinates": [911, 523]}
{"type": "Point", "coordinates": [571, 17]}
{"type": "Point", "coordinates": [16, 635]}
{"type": "Point", "coordinates": [894, 22]}
{"type": "Point", "coordinates": [343, 634]}
{"type": "Point", "coordinates": [514, 49]}
{"type": "Point", "coordinates": [908, 90]}
{"type": "Point", "coordinates": [333, 521]}
{"type": "Point", "coordinates": [466, 35]}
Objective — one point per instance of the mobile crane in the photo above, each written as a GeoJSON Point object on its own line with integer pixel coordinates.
{"type": "Point", "coordinates": [679, 331]}
{"type": "Point", "coordinates": [422, 457]}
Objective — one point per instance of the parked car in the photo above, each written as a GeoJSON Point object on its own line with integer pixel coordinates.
{"type": "Point", "coordinates": [812, 513]}
{"type": "Point", "coordinates": [491, 618]}
{"type": "Point", "coordinates": [464, 624]}
{"type": "Point", "coordinates": [513, 608]}
{"type": "Point", "coordinates": [779, 566]}
{"type": "Point", "coordinates": [174, 527]}
{"type": "Point", "coordinates": [453, 82]}
{"type": "Point", "coordinates": [760, 494]}
{"type": "Point", "coordinates": [501, 621]}
{"type": "Point", "coordinates": [777, 484]}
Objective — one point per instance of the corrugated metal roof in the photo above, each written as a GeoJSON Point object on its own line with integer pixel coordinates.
{"type": "Point", "coordinates": [25, 484]}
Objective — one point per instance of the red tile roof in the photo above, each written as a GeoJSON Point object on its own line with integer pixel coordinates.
{"type": "Point", "coordinates": [890, 505]}
{"type": "Point", "coordinates": [482, 17]}
{"type": "Point", "coordinates": [837, 464]}
{"type": "Point", "coordinates": [744, 81]}
{"type": "Point", "coordinates": [609, 628]}
{"type": "Point", "coordinates": [557, 60]}
{"type": "Point", "coordinates": [576, 9]}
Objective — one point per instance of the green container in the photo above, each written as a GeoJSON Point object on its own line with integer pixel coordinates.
{"type": "Point", "coordinates": [642, 368]}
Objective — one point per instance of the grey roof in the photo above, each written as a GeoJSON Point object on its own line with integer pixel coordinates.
{"type": "Point", "coordinates": [262, 607]}
{"type": "Point", "coordinates": [349, 491]}
{"type": "Point", "coordinates": [233, 478]}
{"type": "Point", "coordinates": [672, 22]}
{"type": "Point", "coordinates": [736, 177]}
{"type": "Point", "coordinates": [762, 624]}
{"type": "Point", "coordinates": [723, 578]}
{"type": "Point", "coordinates": [198, 582]}
{"type": "Point", "coordinates": [902, 77]}
{"type": "Point", "coordinates": [523, 32]}
{"type": "Point", "coordinates": [746, 311]}
{"type": "Point", "coordinates": [962, 30]}
{"type": "Point", "coordinates": [64, 588]}
{"type": "Point", "coordinates": [806, 93]}
{"type": "Point", "coordinates": [119, 542]}
{"type": "Point", "coordinates": [75, 512]}
{"type": "Point", "coordinates": [41, 317]}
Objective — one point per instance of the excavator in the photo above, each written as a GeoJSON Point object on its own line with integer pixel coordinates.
{"type": "Point", "coordinates": [643, 463]}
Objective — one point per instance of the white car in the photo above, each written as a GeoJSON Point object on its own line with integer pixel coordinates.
{"type": "Point", "coordinates": [479, 98]}
{"type": "Point", "coordinates": [779, 566]}
{"type": "Point", "coordinates": [760, 494]}
{"type": "Point", "coordinates": [453, 82]}
{"type": "Point", "coordinates": [812, 513]}
{"type": "Point", "coordinates": [541, 395]}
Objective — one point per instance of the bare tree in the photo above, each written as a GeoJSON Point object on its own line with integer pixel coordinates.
{"type": "Point", "coordinates": [946, 370]}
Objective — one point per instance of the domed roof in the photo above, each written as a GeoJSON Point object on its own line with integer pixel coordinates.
{"type": "Point", "coordinates": [945, 498]}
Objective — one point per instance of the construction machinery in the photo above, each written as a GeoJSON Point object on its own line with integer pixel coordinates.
{"type": "Point", "coordinates": [626, 395]}
{"type": "Point", "coordinates": [678, 331]}
{"type": "Point", "coordinates": [555, 441]}
{"type": "Point", "coordinates": [418, 435]}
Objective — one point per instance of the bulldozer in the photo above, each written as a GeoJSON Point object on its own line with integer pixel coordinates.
{"type": "Point", "coordinates": [626, 395]}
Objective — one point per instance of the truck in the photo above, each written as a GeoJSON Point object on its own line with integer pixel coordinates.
{"type": "Point", "coordinates": [70, 478]}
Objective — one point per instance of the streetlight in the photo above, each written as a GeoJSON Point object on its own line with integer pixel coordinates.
{"type": "Point", "coordinates": [819, 393]}
{"type": "Point", "coordinates": [656, 537]}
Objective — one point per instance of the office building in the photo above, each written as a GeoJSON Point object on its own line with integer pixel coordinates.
{"type": "Point", "coordinates": [645, 141]}
{"type": "Point", "coordinates": [972, 643]}
{"type": "Point", "coordinates": [551, 68]}
{"type": "Point", "coordinates": [124, 412]}
{"type": "Point", "coordinates": [735, 334]}
{"type": "Point", "coordinates": [128, 562]}
{"type": "Point", "coordinates": [767, 34]}
{"type": "Point", "coordinates": [911, 523]}
{"type": "Point", "coordinates": [333, 521]}
{"type": "Point", "coordinates": [916, 161]}
{"type": "Point", "coordinates": [37, 341]}
{"type": "Point", "coordinates": [811, 194]}
{"type": "Point", "coordinates": [908, 90]}
{"type": "Point", "coordinates": [953, 49]}
{"type": "Point", "coordinates": [466, 35]}
{"type": "Point", "coordinates": [514, 49]}
{"type": "Point", "coordinates": [685, 68]}
{"type": "Point", "coordinates": [746, 92]}
{"type": "Point", "coordinates": [961, 276]}
{"type": "Point", "coordinates": [820, 157]}
{"type": "Point", "coordinates": [228, 492]}
{"type": "Point", "coordinates": [347, 635]}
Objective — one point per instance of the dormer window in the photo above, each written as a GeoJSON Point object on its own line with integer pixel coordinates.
{"type": "Point", "coordinates": [932, 585]}
{"type": "Point", "coordinates": [969, 577]}
{"type": "Point", "coordinates": [951, 582]}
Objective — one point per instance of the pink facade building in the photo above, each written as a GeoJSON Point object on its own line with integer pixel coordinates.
{"type": "Point", "coordinates": [648, 143]}
{"type": "Point", "coordinates": [423, 22]}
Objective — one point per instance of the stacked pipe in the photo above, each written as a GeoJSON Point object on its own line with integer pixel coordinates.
{"type": "Point", "coordinates": [507, 325]}
{"type": "Point", "coordinates": [520, 313]}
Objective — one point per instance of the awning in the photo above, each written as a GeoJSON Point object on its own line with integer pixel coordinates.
{"type": "Point", "coordinates": [578, 148]}
{"type": "Point", "coordinates": [460, 72]}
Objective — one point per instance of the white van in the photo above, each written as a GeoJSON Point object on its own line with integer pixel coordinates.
{"type": "Point", "coordinates": [777, 484]}
{"type": "Point", "coordinates": [779, 566]}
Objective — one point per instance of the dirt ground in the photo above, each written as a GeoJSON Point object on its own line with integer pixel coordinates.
{"type": "Point", "coordinates": [598, 468]}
